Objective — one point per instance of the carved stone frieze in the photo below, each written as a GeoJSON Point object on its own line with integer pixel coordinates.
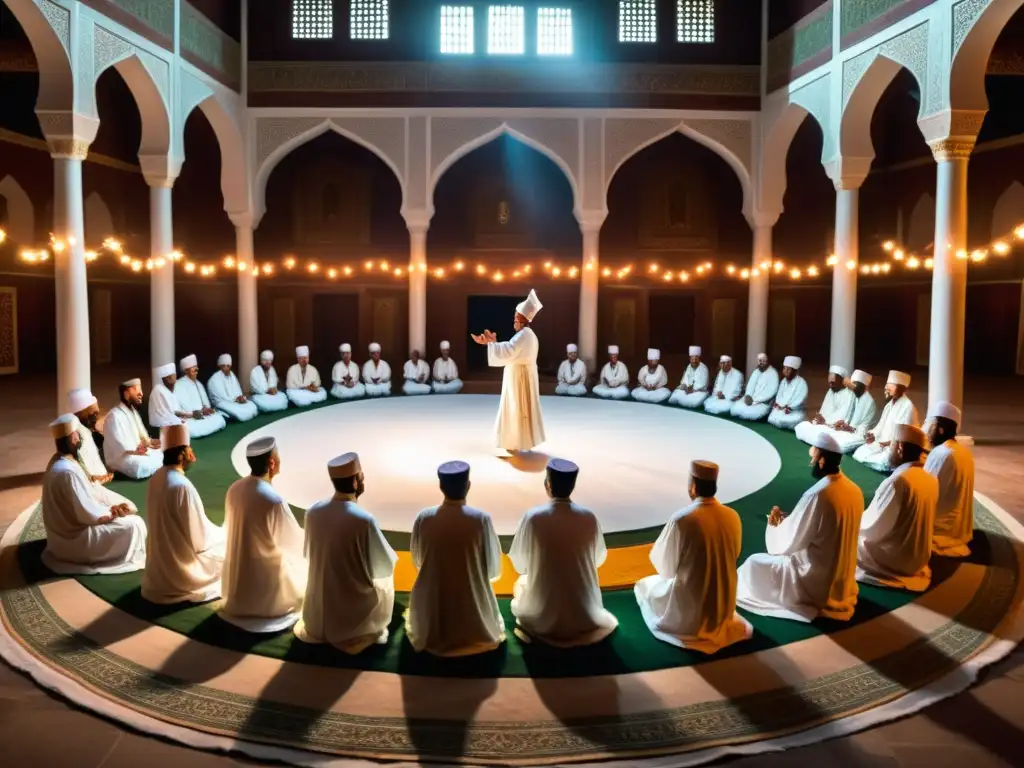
{"type": "Point", "coordinates": [450, 134]}
{"type": "Point", "coordinates": [951, 149]}
{"type": "Point", "coordinates": [384, 136]}
{"type": "Point", "coordinates": [273, 132]}
{"type": "Point", "coordinates": [56, 123]}
{"type": "Point", "coordinates": [965, 13]}
{"type": "Point", "coordinates": [201, 38]}
{"type": "Point", "coordinates": [624, 136]}
{"type": "Point", "coordinates": [909, 49]}
{"type": "Point", "coordinates": [559, 135]}
{"type": "Point", "coordinates": [733, 135]}
{"type": "Point", "coordinates": [60, 20]}
{"type": "Point", "coordinates": [108, 49]}
{"type": "Point", "coordinates": [74, 149]}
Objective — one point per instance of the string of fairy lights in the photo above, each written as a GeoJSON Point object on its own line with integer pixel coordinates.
{"type": "Point", "coordinates": [895, 258]}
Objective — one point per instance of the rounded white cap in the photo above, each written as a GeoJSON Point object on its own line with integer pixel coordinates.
{"type": "Point", "coordinates": [80, 399]}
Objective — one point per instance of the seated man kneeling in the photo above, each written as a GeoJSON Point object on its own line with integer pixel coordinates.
{"type": "Point", "coordinates": [346, 376]}
{"type": "Point", "coordinates": [727, 389]}
{"type": "Point", "coordinates": [263, 385]}
{"type": "Point", "coordinates": [572, 374]}
{"type": "Point", "coordinates": [302, 382]}
{"type": "Point", "coordinates": [791, 399]}
{"type": "Point", "coordinates": [376, 374]}
{"type": "Point", "coordinates": [653, 380]}
{"type": "Point", "coordinates": [762, 386]}
{"type": "Point", "coordinates": [614, 382]}
{"type": "Point", "coordinates": [416, 375]}
{"type": "Point", "coordinates": [446, 373]}
{"type": "Point", "coordinates": [226, 393]}
{"type": "Point", "coordinates": [693, 388]}
{"type": "Point", "coordinates": [191, 396]}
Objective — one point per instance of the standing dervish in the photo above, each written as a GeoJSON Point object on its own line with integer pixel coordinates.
{"type": "Point", "coordinates": [520, 424]}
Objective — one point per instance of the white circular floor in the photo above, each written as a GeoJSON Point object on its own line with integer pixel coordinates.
{"type": "Point", "coordinates": [633, 458]}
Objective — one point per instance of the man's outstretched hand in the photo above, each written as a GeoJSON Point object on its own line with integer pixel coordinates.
{"type": "Point", "coordinates": [484, 338]}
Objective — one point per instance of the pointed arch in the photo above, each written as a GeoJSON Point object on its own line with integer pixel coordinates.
{"type": "Point", "coordinates": [778, 138]}
{"type": "Point", "coordinates": [156, 121]}
{"type": "Point", "coordinates": [99, 223]}
{"type": "Point", "coordinates": [1008, 213]}
{"type": "Point", "coordinates": [50, 44]}
{"type": "Point", "coordinates": [21, 214]}
{"type": "Point", "coordinates": [921, 229]}
{"type": "Point", "coordinates": [973, 39]}
{"type": "Point", "coordinates": [855, 122]}
{"type": "Point", "coordinates": [233, 172]}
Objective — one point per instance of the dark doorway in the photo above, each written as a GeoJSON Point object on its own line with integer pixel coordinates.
{"type": "Point", "coordinates": [492, 313]}
{"type": "Point", "coordinates": [671, 322]}
{"type": "Point", "coordinates": [335, 320]}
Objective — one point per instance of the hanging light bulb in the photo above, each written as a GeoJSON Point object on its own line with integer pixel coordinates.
{"type": "Point", "coordinates": [289, 263]}
{"type": "Point", "coordinates": [1000, 247]}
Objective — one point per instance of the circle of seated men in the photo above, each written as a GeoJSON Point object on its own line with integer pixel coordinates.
{"type": "Point", "coordinates": [331, 580]}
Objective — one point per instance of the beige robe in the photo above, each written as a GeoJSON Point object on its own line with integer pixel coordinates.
{"type": "Point", "coordinates": [520, 423]}
{"type": "Point", "coordinates": [953, 465]}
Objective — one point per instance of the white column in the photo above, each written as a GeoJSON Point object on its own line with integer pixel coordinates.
{"type": "Point", "coordinates": [949, 274]}
{"type": "Point", "coordinates": [844, 279]}
{"type": "Point", "coordinates": [589, 285]}
{"type": "Point", "coordinates": [418, 288]}
{"type": "Point", "coordinates": [73, 367]}
{"type": "Point", "coordinates": [248, 316]}
{"type": "Point", "coordinates": [757, 298]}
{"type": "Point", "coordinates": [161, 282]}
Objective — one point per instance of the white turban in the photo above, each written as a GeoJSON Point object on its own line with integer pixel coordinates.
{"type": "Point", "coordinates": [725, 359]}
{"type": "Point", "coordinates": [899, 377]}
{"type": "Point", "coordinates": [762, 356]}
{"type": "Point", "coordinates": [163, 371]}
{"type": "Point", "coordinates": [345, 348]}
{"type": "Point", "coordinates": [839, 370]}
{"type": "Point", "coordinates": [862, 377]}
{"type": "Point", "coordinates": [908, 433]}
{"type": "Point", "coordinates": [131, 383]}
{"type": "Point", "coordinates": [174, 436]}
{"type": "Point", "coordinates": [613, 350]}
{"type": "Point", "coordinates": [792, 361]}
{"type": "Point", "coordinates": [63, 426]}
{"type": "Point", "coordinates": [445, 345]}
{"type": "Point", "coordinates": [80, 399]}
{"type": "Point", "coordinates": [224, 359]}
{"type": "Point", "coordinates": [530, 307]}
{"type": "Point", "coordinates": [302, 351]}
{"type": "Point", "coordinates": [824, 441]}
{"type": "Point", "coordinates": [260, 447]}
{"type": "Point", "coordinates": [694, 351]}
{"type": "Point", "coordinates": [654, 354]}
{"type": "Point", "coordinates": [267, 355]}
{"type": "Point", "coordinates": [191, 361]}
{"type": "Point", "coordinates": [374, 347]}
{"type": "Point", "coordinates": [571, 348]}
{"type": "Point", "coordinates": [944, 409]}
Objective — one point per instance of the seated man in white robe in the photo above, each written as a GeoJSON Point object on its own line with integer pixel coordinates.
{"type": "Point", "coordinates": [345, 376]}
{"type": "Point", "coordinates": [185, 550]}
{"type": "Point", "coordinates": [264, 576]}
{"type": "Point", "coordinates": [652, 380]}
{"type": "Point", "coordinates": [727, 389]}
{"type": "Point", "coordinates": [952, 463]}
{"type": "Point", "coordinates": [302, 382]}
{"type": "Point", "coordinates": [836, 408]}
{"type": "Point", "coordinates": [416, 375]}
{"type": "Point", "coordinates": [898, 410]}
{"type": "Point", "coordinates": [810, 567]}
{"type": "Point", "coordinates": [376, 374]}
{"type": "Point", "coordinates": [557, 550]}
{"type": "Point", "coordinates": [263, 385]}
{"type": "Point", "coordinates": [446, 373]}
{"type": "Point", "coordinates": [89, 528]}
{"type": "Point", "coordinates": [614, 379]}
{"type": "Point", "coordinates": [695, 386]}
{"type": "Point", "coordinates": [759, 395]}
{"type": "Point", "coordinates": [572, 374]}
{"type": "Point", "coordinates": [85, 407]}
{"type": "Point", "coordinates": [896, 529]}
{"type": "Point", "coordinates": [164, 408]}
{"type": "Point", "coordinates": [350, 593]}
{"type": "Point", "coordinates": [850, 434]}
{"type": "Point", "coordinates": [192, 398]}
{"type": "Point", "coordinates": [127, 446]}
{"type": "Point", "coordinates": [452, 608]}
{"type": "Point", "coordinates": [789, 408]}
{"type": "Point", "coordinates": [691, 601]}
{"type": "Point", "coordinates": [226, 393]}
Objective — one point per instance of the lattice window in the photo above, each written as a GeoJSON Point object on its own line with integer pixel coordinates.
{"type": "Point", "coordinates": [457, 29]}
{"type": "Point", "coordinates": [506, 29]}
{"type": "Point", "coordinates": [695, 21]}
{"type": "Point", "coordinates": [312, 19]}
{"type": "Point", "coordinates": [554, 31]}
{"type": "Point", "coordinates": [368, 19]}
{"type": "Point", "coordinates": [638, 21]}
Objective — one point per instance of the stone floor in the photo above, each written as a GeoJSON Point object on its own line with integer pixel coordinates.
{"type": "Point", "coordinates": [981, 727]}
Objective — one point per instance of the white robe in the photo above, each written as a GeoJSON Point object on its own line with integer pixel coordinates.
{"type": "Point", "coordinates": [762, 386]}
{"type": "Point", "coordinates": [791, 394]}
{"type": "Point", "coordinates": [811, 563]}
{"type": "Point", "coordinates": [572, 379]}
{"type": "Point", "coordinates": [658, 379]}
{"type": "Point", "coordinates": [896, 412]}
{"type": "Point", "coordinates": [223, 391]}
{"type": "Point", "coordinates": [88, 454]}
{"type": "Point", "coordinates": [614, 383]}
{"type": "Point", "coordinates": [861, 420]}
{"type": "Point", "coordinates": [380, 371]}
{"type": "Point", "coordinates": [163, 409]}
{"type": "Point", "coordinates": [896, 530]}
{"type": "Point", "coordinates": [185, 550]}
{"type": "Point", "coordinates": [731, 386]}
{"type": "Point", "coordinates": [837, 406]}
{"type": "Point", "coordinates": [416, 378]}
{"type": "Point", "coordinates": [75, 543]}
{"type": "Point", "coordinates": [260, 384]}
{"type": "Point", "coordinates": [698, 378]}
{"type": "Point", "coordinates": [953, 465]}
{"type": "Point", "coordinates": [338, 374]}
{"type": "Point", "coordinates": [691, 602]}
{"type": "Point", "coordinates": [446, 377]}
{"type": "Point", "coordinates": [350, 594]}
{"type": "Point", "coordinates": [264, 576]}
{"type": "Point", "coordinates": [191, 397]}
{"type": "Point", "coordinates": [452, 608]}
{"type": "Point", "coordinates": [296, 381]}
{"type": "Point", "coordinates": [520, 423]}
{"type": "Point", "coordinates": [557, 549]}
{"type": "Point", "coordinates": [123, 430]}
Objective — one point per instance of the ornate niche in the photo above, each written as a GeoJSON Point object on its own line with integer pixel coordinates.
{"type": "Point", "coordinates": [332, 203]}
{"type": "Point", "coordinates": [678, 213]}
{"type": "Point", "coordinates": [500, 216]}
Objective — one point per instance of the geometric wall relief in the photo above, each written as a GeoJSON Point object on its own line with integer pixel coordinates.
{"type": "Point", "coordinates": [733, 135]}
{"type": "Point", "coordinates": [625, 136]}
{"type": "Point", "coordinates": [909, 49]}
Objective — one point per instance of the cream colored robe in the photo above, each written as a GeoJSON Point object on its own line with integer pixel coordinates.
{"type": "Point", "coordinates": [296, 381]}
{"type": "Point", "coordinates": [520, 423]}
{"type": "Point", "coordinates": [896, 412]}
{"type": "Point", "coordinates": [953, 465]}
{"type": "Point", "coordinates": [691, 602]}
{"type": "Point", "coordinates": [88, 454]}
{"type": "Point", "coordinates": [123, 430]}
{"type": "Point", "coordinates": [185, 549]}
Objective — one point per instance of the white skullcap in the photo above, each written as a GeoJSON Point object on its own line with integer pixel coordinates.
{"type": "Point", "coordinates": [190, 361]}
{"type": "Point", "coordinates": [374, 347]}
{"type": "Point", "coordinates": [174, 436]}
{"type": "Point", "coordinates": [792, 361]}
{"type": "Point", "coordinates": [694, 351]}
{"type": "Point", "coordinates": [302, 351]}
{"type": "Point", "coordinates": [839, 371]}
{"type": "Point", "coordinates": [725, 359]}
{"type": "Point", "coordinates": [825, 442]}
{"type": "Point", "coordinates": [613, 350]}
{"type": "Point", "coordinates": [946, 410]}
{"type": "Point", "coordinates": [80, 399]}
{"type": "Point", "coordinates": [131, 383]}
{"type": "Point", "coordinates": [346, 465]}
{"type": "Point", "coordinates": [260, 447]}
{"type": "Point", "coordinates": [63, 426]}
{"type": "Point", "coordinates": [571, 348]}
{"type": "Point", "coordinates": [345, 348]}
{"type": "Point", "coordinates": [267, 355]}
{"type": "Point", "coordinates": [908, 433]}
{"type": "Point", "coordinates": [704, 470]}
{"type": "Point", "coordinates": [445, 345]}
{"type": "Point", "coordinates": [224, 359]}
{"type": "Point", "coordinates": [163, 371]}
{"type": "Point", "coordinates": [862, 377]}
{"type": "Point", "coordinates": [530, 307]}
{"type": "Point", "coordinates": [762, 355]}
{"type": "Point", "coordinates": [654, 354]}
{"type": "Point", "coordinates": [899, 377]}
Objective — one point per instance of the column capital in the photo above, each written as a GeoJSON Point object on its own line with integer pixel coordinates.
{"type": "Point", "coordinates": [951, 149]}
{"type": "Point", "coordinates": [847, 172]}
{"type": "Point", "coordinates": [591, 220]}
{"type": "Point", "coordinates": [959, 125]}
{"type": "Point", "coordinates": [417, 220]}
{"type": "Point", "coordinates": [68, 134]}
{"type": "Point", "coordinates": [160, 170]}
